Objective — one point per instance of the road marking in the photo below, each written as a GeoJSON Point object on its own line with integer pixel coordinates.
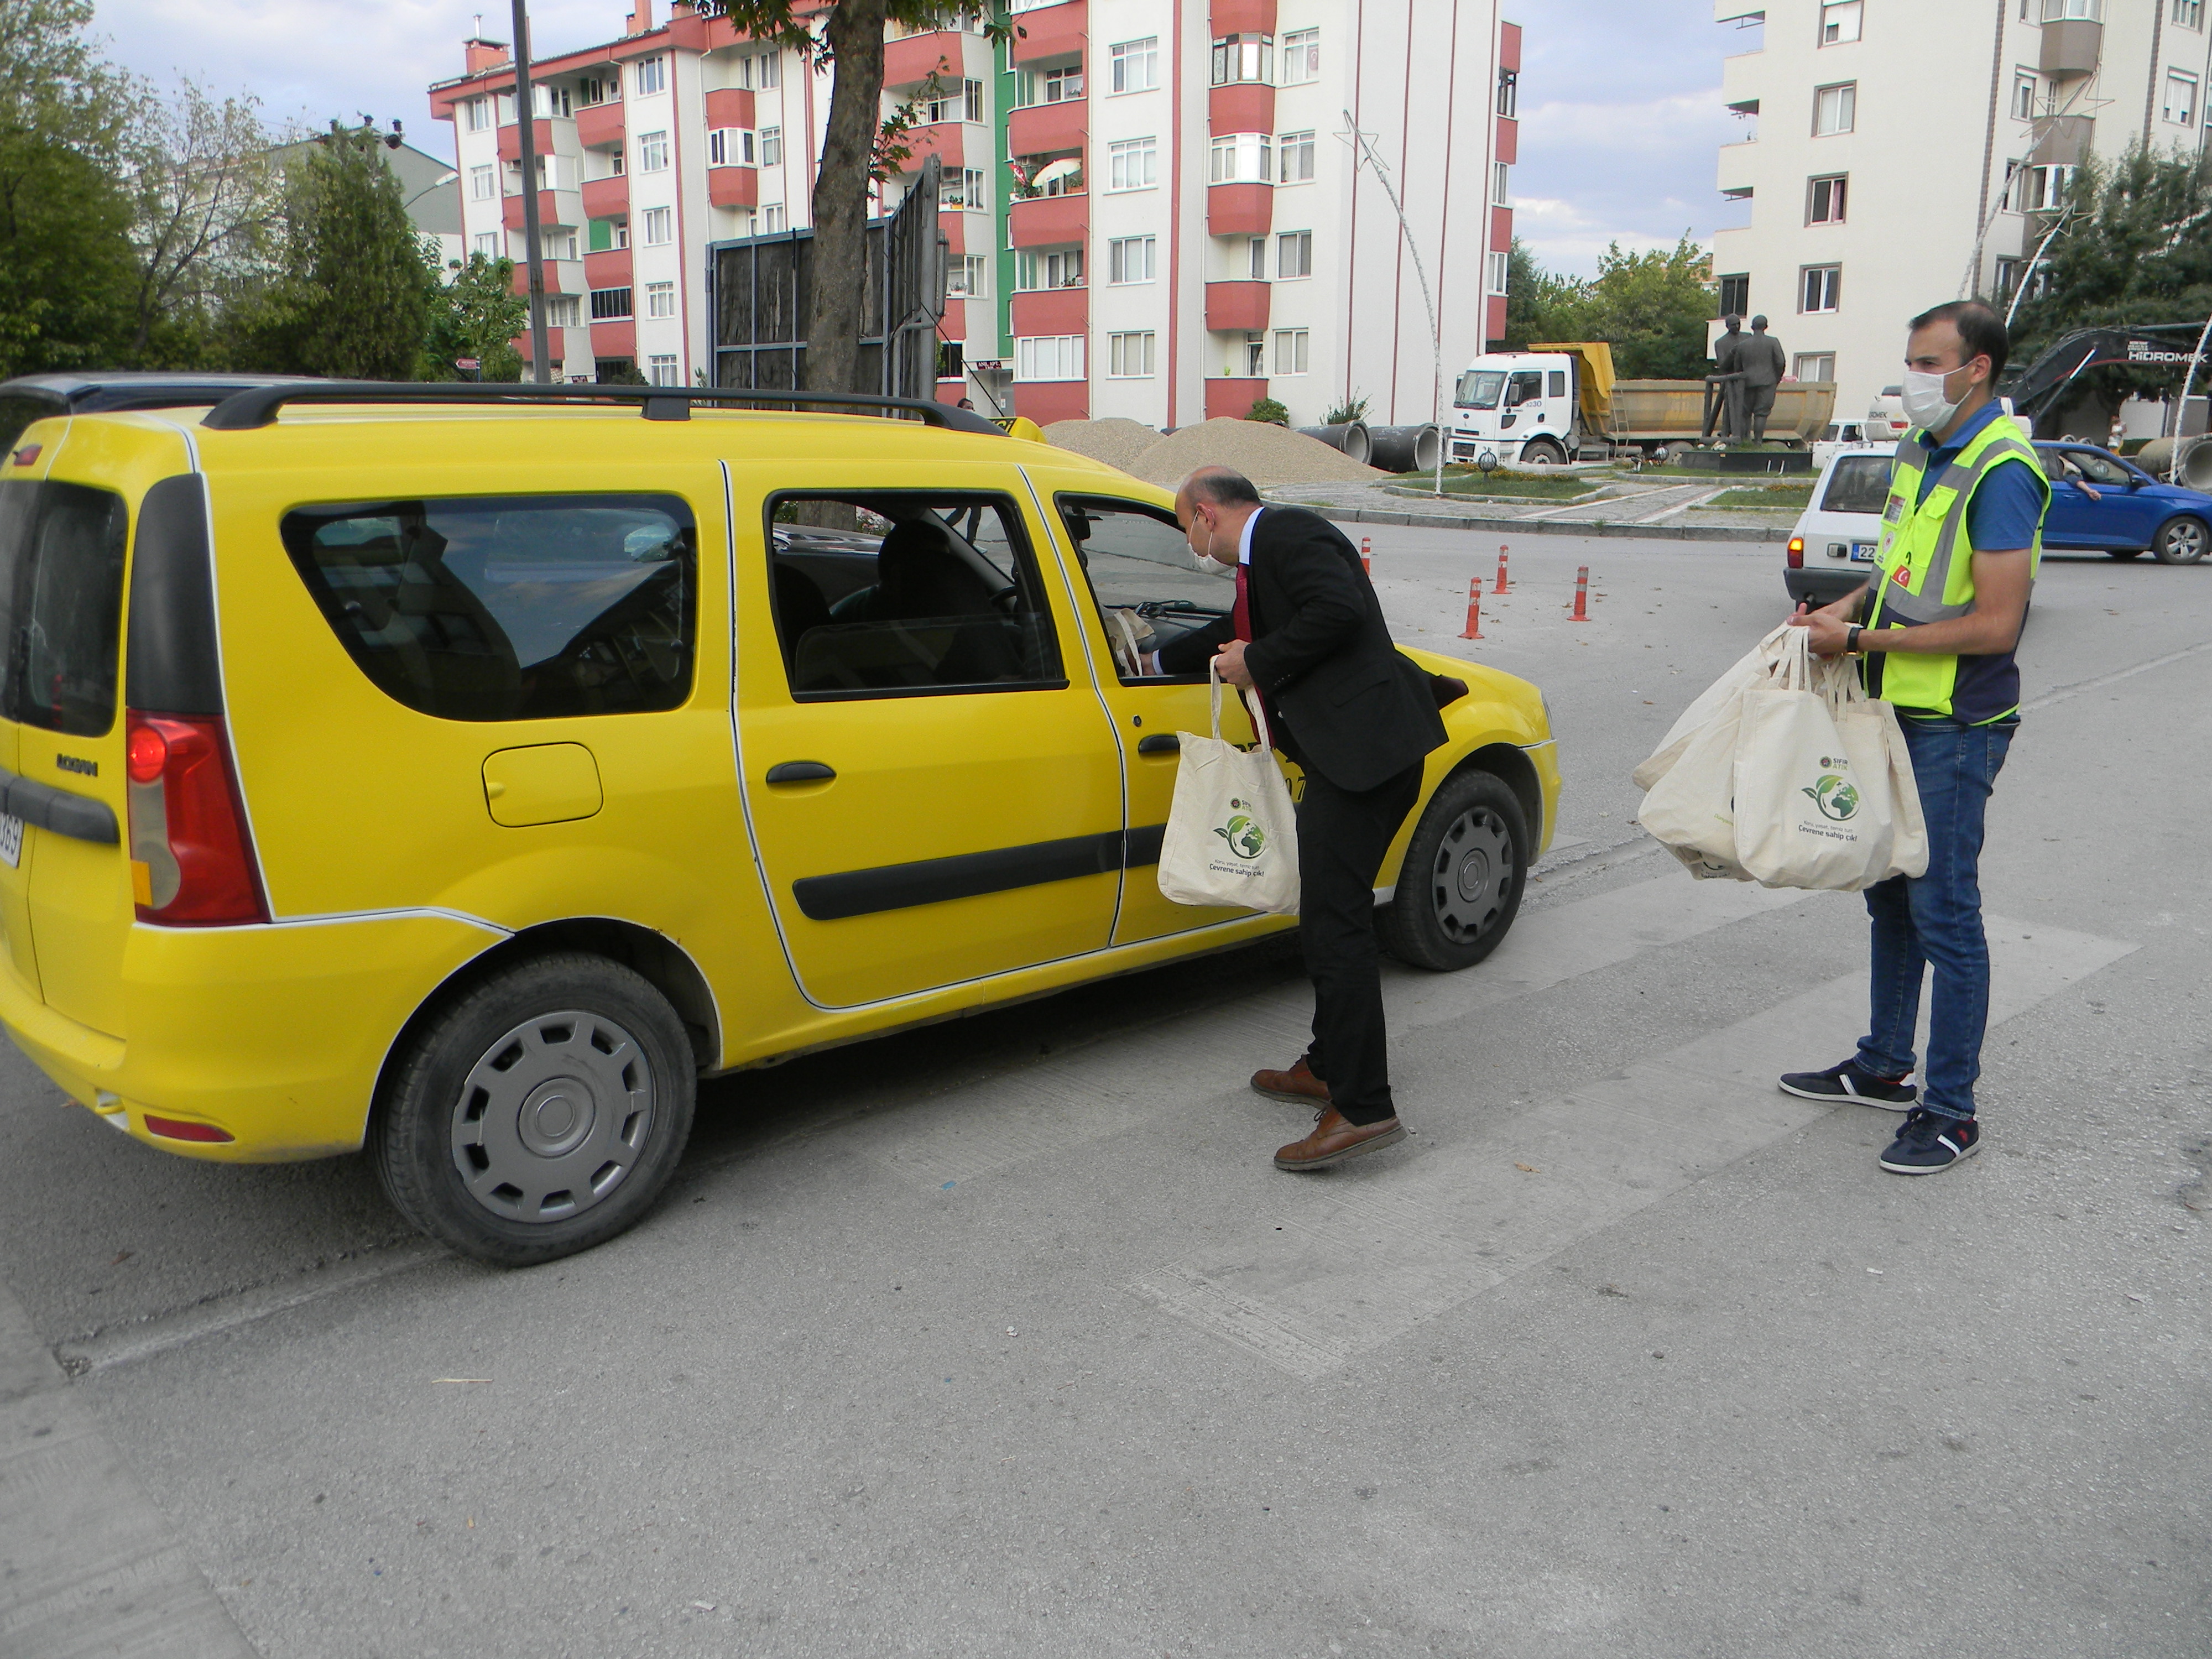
{"type": "Point", "coordinates": [2060, 693]}
{"type": "Point", "coordinates": [1683, 505]}
{"type": "Point", "coordinates": [1356, 1258]}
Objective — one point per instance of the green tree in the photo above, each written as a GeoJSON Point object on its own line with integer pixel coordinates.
{"type": "Point", "coordinates": [1539, 305]}
{"type": "Point", "coordinates": [207, 212]}
{"type": "Point", "coordinates": [477, 315]}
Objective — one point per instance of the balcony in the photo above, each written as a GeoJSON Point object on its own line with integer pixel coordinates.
{"type": "Point", "coordinates": [1047, 401]}
{"type": "Point", "coordinates": [918, 57]}
{"type": "Point", "coordinates": [2071, 48]}
{"type": "Point", "coordinates": [2065, 140]}
{"type": "Point", "coordinates": [1052, 311]}
{"type": "Point", "coordinates": [1050, 221]}
{"type": "Point", "coordinates": [615, 339]}
{"type": "Point", "coordinates": [510, 140]}
{"type": "Point", "coordinates": [1242, 106]}
{"type": "Point", "coordinates": [1046, 129]}
{"type": "Point", "coordinates": [1239, 210]}
{"type": "Point", "coordinates": [944, 140]}
{"type": "Point", "coordinates": [600, 126]}
{"type": "Point", "coordinates": [730, 106]}
{"type": "Point", "coordinates": [606, 199]}
{"type": "Point", "coordinates": [1239, 306]}
{"type": "Point", "coordinates": [561, 277]}
{"type": "Point", "coordinates": [1050, 31]}
{"type": "Point", "coordinates": [550, 209]}
{"type": "Point", "coordinates": [733, 187]}
{"type": "Point", "coordinates": [1508, 148]}
{"type": "Point", "coordinates": [609, 269]}
{"type": "Point", "coordinates": [1232, 399]}
{"type": "Point", "coordinates": [1241, 17]}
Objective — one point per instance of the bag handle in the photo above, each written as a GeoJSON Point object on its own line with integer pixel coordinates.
{"type": "Point", "coordinates": [1254, 706]}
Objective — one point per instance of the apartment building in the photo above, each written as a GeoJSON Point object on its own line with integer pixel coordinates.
{"type": "Point", "coordinates": [1895, 156]}
{"type": "Point", "coordinates": [1152, 208]}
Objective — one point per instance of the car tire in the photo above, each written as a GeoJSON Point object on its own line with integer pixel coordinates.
{"type": "Point", "coordinates": [540, 1113]}
{"type": "Point", "coordinates": [2125, 552]}
{"type": "Point", "coordinates": [2181, 540]}
{"type": "Point", "coordinates": [1461, 885]}
{"type": "Point", "coordinates": [1542, 452]}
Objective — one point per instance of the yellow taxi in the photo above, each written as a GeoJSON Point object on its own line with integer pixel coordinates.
{"type": "Point", "coordinates": [466, 772]}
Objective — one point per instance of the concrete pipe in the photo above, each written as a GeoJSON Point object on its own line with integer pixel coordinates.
{"type": "Point", "coordinates": [1351, 438]}
{"type": "Point", "coordinates": [1404, 448]}
{"type": "Point", "coordinates": [2156, 456]}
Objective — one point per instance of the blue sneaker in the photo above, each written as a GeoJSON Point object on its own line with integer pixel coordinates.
{"type": "Point", "coordinates": [1851, 1081]}
{"type": "Point", "coordinates": [1929, 1143]}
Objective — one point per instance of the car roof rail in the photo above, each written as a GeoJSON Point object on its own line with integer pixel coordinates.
{"type": "Point", "coordinates": [256, 407]}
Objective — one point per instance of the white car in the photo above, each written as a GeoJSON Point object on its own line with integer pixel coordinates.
{"type": "Point", "coordinates": [1832, 549]}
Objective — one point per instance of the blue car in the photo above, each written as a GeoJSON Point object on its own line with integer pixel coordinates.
{"type": "Point", "coordinates": [2103, 504]}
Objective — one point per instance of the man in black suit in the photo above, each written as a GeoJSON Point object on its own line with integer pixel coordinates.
{"type": "Point", "coordinates": [1307, 637]}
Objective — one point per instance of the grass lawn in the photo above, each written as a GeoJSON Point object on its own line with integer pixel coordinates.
{"type": "Point", "coordinates": [1778, 497]}
{"type": "Point", "coordinates": [1508, 484]}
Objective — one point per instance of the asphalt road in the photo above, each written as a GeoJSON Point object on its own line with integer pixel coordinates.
{"type": "Point", "coordinates": [1004, 1338]}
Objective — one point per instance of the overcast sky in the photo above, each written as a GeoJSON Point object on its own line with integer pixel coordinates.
{"type": "Point", "coordinates": [1620, 108]}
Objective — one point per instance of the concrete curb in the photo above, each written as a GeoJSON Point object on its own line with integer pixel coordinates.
{"type": "Point", "coordinates": [1547, 526]}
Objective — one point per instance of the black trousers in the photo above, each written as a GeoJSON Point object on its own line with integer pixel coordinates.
{"type": "Point", "coordinates": [1342, 836]}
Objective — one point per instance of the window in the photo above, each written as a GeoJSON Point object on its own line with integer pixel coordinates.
{"type": "Point", "coordinates": [1500, 262]}
{"type": "Point", "coordinates": [771, 146]}
{"type": "Point", "coordinates": [598, 90]}
{"type": "Point", "coordinates": [1820, 287]}
{"type": "Point", "coordinates": [960, 103]}
{"type": "Point", "coordinates": [1133, 66]}
{"type": "Point", "coordinates": [2066, 11]}
{"type": "Point", "coordinates": [1256, 252]}
{"type": "Point", "coordinates": [1297, 151]}
{"type": "Point", "coordinates": [771, 71]}
{"type": "Point", "coordinates": [1129, 357]}
{"type": "Point", "coordinates": [1556, 382]}
{"type": "Point", "coordinates": [1839, 21]}
{"type": "Point", "coordinates": [2189, 14]}
{"type": "Point", "coordinates": [1735, 295]}
{"type": "Point", "coordinates": [2039, 189]}
{"type": "Point", "coordinates": [1133, 164]}
{"type": "Point", "coordinates": [1061, 86]}
{"type": "Point", "coordinates": [479, 113]}
{"type": "Point", "coordinates": [550, 99]}
{"type": "Point", "coordinates": [659, 223]}
{"type": "Point", "coordinates": [653, 152]}
{"type": "Point", "coordinates": [1814, 366]}
{"type": "Point", "coordinates": [1509, 92]}
{"type": "Point", "coordinates": [1291, 345]}
{"type": "Point", "coordinates": [1294, 253]}
{"type": "Point", "coordinates": [485, 242]}
{"type": "Point", "coordinates": [2180, 98]}
{"type": "Point", "coordinates": [1501, 178]}
{"type": "Point", "coordinates": [1835, 109]}
{"type": "Point", "coordinates": [609, 304]}
{"type": "Point", "coordinates": [1238, 58]}
{"type": "Point", "coordinates": [651, 75]}
{"type": "Point", "coordinates": [948, 595]}
{"type": "Point", "coordinates": [508, 607]}
{"type": "Point", "coordinates": [730, 147]}
{"type": "Point", "coordinates": [1034, 271]}
{"type": "Point", "coordinates": [484, 183]}
{"type": "Point", "coordinates": [604, 235]}
{"type": "Point", "coordinates": [971, 275]}
{"type": "Point", "coordinates": [1133, 556]}
{"type": "Point", "coordinates": [772, 219]}
{"type": "Point", "coordinates": [1301, 57]}
{"type": "Point", "coordinates": [1858, 484]}
{"type": "Point", "coordinates": [1048, 357]}
{"type": "Point", "coordinates": [1131, 260]}
{"type": "Point", "coordinates": [963, 187]}
{"type": "Point", "coordinates": [1243, 158]}
{"type": "Point", "coordinates": [564, 311]}
{"type": "Point", "coordinates": [1255, 357]}
{"type": "Point", "coordinates": [660, 299]}
{"type": "Point", "coordinates": [560, 243]}
{"type": "Point", "coordinates": [1824, 201]}
{"type": "Point", "coordinates": [660, 369]}
{"type": "Point", "coordinates": [2008, 278]}
{"type": "Point", "coordinates": [60, 589]}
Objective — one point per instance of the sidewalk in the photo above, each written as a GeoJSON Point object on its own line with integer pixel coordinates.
{"type": "Point", "coordinates": [1662, 509]}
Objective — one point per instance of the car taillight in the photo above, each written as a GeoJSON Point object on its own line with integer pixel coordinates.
{"type": "Point", "coordinates": [191, 860]}
{"type": "Point", "coordinates": [1796, 552]}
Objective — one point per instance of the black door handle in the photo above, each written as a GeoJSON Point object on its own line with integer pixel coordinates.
{"type": "Point", "coordinates": [1160, 742]}
{"type": "Point", "coordinates": [799, 772]}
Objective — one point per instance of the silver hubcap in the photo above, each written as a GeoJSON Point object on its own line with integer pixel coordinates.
{"type": "Point", "coordinates": [1472, 874]}
{"type": "Point", "coordinates": [553, 1117]}
{"type": "Point", "coordinates": [2185, 542]}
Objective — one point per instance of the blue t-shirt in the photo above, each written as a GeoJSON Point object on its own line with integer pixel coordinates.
{"type": "Point", "coordinates": [2003, 512]}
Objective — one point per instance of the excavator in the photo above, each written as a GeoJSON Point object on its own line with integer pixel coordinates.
{"type": "Point", "coordinates": [2035, 389]}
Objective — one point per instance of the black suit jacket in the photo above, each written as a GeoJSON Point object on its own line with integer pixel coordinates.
{"type": "Point", "coordinates": [1352, 705]}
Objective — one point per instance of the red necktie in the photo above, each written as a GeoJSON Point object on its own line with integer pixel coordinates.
{"type": "Point", "coordinates": [1240, 618]}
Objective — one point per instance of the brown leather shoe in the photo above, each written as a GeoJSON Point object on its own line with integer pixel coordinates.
{"type": "Point", "coordinates": [1298, 1084]}
{"type": "Point", "coordinates": [1334, 1140]}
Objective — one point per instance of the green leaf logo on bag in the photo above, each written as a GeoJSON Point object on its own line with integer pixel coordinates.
{"type": "Point", "coordinates": [1245, 837]}
{"type": "Point", "coordinates": [1835, 797]}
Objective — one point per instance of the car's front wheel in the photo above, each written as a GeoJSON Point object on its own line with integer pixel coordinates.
{"type": "Point", "coordinates": [1461, 885]}
{"type": "Point", "coordinates": [2181, 541]}
{"type": "Point", "coordinates": [1542, 452]}
{"type": "Point", "coordinates": [540, 1113]}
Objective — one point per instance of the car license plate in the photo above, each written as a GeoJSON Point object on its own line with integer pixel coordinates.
{"type": "Point", "coordinates": [1862, 552]}
{"type": "Point", "coordinates": [11, 840]}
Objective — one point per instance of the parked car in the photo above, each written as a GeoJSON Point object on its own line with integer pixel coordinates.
{"type": "Point", "coordinates": [1832, 549]}
{"type": "Point", "coordinates": [2103, 503]}
{"type": "Point", "coordinates": [419, 768]}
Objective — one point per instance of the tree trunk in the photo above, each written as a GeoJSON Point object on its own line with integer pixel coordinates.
{"type": "Point", "coordinates": [841, 195]}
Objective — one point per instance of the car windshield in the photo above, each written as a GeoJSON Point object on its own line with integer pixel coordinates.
{"type": "Point", "coordinates": [1479, 388]}
{"type": "Point", "coordinates": [1857, 483]}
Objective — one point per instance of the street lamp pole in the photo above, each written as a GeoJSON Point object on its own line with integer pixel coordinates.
{"type": "Point", "coordinates": [526, 116]}
{"type": "Point", "coordinates": [1363, 150]}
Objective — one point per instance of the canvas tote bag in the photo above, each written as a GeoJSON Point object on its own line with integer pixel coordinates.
{"type": "Point", "coordinates": [1233, 835]}
{"type": "Point", "coordinates": [1753, 668]}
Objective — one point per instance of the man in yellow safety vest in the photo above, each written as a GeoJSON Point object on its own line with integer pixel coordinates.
{"type": "Point", "coordinates": [1935, 626]}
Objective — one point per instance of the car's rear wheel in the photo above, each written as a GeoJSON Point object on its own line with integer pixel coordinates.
{"type": "Point", "coordinates": [541, 1114]}
{"type": "Point", "coordinates": [2125, 552]}
{"type": "Point", "coordinates": [1461, 885]}
{"type": "Point", "coordinates": [2181, 541]}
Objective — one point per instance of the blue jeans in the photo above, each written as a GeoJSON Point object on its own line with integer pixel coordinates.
{"type": "Point", "coordinates": [1937, 919]}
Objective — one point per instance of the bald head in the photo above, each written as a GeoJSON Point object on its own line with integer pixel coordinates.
{"type": "Point", "coordinates": [1212, 506]}
{"type": "Point", "coordinates": [1222, 486]}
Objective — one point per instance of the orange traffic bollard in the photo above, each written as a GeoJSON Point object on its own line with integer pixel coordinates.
{"type": "Point", "coordinates": [1366, 553]}
{"type": "Point", "coordinates": [1500, 588]}
{"type": "Point", "coordinates": [1473, 610]}
{"type": "Point", "coordinates": [1582, 595]}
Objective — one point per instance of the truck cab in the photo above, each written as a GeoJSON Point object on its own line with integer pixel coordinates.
{"type": "Point", "coordinates": [1519, 406]}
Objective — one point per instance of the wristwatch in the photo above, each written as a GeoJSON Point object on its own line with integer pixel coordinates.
{"type": "Point", "coordinates": [1851, 640]}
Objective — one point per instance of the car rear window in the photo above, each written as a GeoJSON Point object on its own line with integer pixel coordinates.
{"type": "Point", "coordinates": [509, 607]}
{"type": "Point", "coordinates": [60, 604]}
{"type": "Point", "coordinates": [1859, 484]}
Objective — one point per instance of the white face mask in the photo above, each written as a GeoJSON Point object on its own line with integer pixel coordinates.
{"type": "Point", "coordinates": [1925, 402]}
{"type": "Point", "coordinates": [1206, 562]}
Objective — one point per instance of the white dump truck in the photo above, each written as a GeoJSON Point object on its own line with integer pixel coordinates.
{"type": "Point", "coordinates": [1543, 406]}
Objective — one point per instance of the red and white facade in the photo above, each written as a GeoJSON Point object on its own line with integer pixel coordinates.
{"type": "Point", "coordinates": [1152, 207]}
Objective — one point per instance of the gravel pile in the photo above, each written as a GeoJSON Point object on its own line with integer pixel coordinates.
{"type": "Point", "coordinates": [1114, 440]}
{"type": "Point", "coordinates": [1265, 453]}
